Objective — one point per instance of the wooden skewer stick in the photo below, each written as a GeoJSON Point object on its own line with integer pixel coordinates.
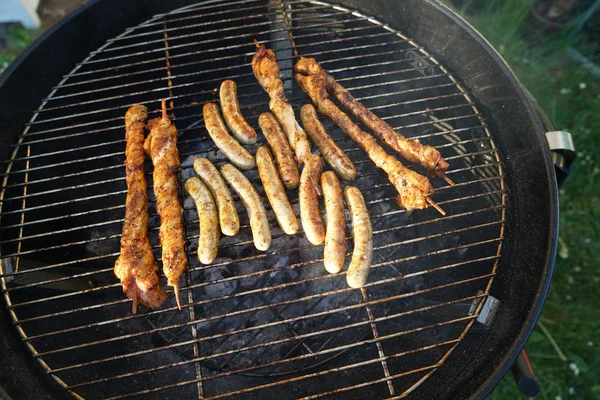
{"type": "Point", "coordinates": [434, 205]}
{"type": "Point", "coordinates": [177, 299]}
{"type": "Point", "coordinates": [450, 181]}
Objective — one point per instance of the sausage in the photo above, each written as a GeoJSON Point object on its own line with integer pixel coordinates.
{"type": "Point", "coordinates": [288, 169]}
{"type": "Point", "coordinates": [330, 151]}
{"type": "Point", "coordinates": [208, 242]}
{"type": "Point", "coordinates": [232, 114]}
{"type": "Point", "coordinates": [309, 202]}
{"type": "Point", "coordinates": [217, 130]}
{"type": "Point", "coordinates": [259, 223]}
{"type": "Point", "coordinates": [228, 216]}
{"type": "Point", "coordinates": [334, 253]}
{"type": "Point", "coordinates": [362, 234]}
{"type": "Point", "coordinates": [275, 191]}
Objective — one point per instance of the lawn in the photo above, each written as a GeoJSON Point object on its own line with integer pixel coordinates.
{"type": "Point", "coordinates": [565, 347]}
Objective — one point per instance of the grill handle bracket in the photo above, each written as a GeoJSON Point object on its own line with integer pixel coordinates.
{"type": "Point", "coordinates": [563, 153]}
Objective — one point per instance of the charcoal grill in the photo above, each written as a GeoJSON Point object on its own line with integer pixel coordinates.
{"type": "Point", "coordinates": [450, 300]}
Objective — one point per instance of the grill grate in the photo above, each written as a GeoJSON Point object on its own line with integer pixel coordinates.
{"type": "Point", "coordinates": [252, 323]}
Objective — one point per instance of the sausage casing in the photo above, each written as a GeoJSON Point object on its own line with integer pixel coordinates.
{"type": "Point", "coordinates": [362, 234]}
{"type": "Point", "coordinates": [228, 216]}
{"type": "Point", "coordinates": [288, 169]}
{"type": "Point", "coordinates": [310, 214]}
{"type": "Point", "coordinates": [233, 115]}
{"type": "Point", "coordinates": [208, 242]}
{"type": "Point", "coordinates": [334, 252]}
{"type": "Point", "coordinates": [330, 151]}
{"type": "Point", "coordinates": [217, 130]}
{"type": "Point", "coordinates": [259, 223]}
{"type": "Point", "coordinates": [275, 191]}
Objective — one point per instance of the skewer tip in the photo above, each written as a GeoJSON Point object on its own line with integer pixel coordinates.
{"type": "Point", "coordinates": [164, 108]}
{"type": "Point", "coordinates": [435, 205]}
{"type": "Point", "coordinates": [450, 181]}
{"type": "Point", "coordinates": [256, 43]}
{"type": "Point", "coordinates": [177, 298]}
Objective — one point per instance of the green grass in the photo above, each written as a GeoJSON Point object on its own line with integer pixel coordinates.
{"type": "Point", "coordinates": [571, 98]}
{"type": "Point", "coordinates": [21, 38]}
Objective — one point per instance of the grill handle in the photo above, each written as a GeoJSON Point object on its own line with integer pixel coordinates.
{"type": "Point", "coordinates": [563, 153]}
{"type": "Point", "coordinates": [524, 376]}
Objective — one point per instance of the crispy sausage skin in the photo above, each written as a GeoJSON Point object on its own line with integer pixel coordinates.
{"type": "Point", "coordinates": [362, 234]}
{"type": "Point", "coordinates": [259, 223]}
{"type": "Point", "coordinates": [275, 191]}
{"type": "Point", "coordinates": [330, 151]}
{"type": "Point", "coordinates": [217, 130]}
{"type": "Point", "coordinates": [334, 253]}
{"type": "Point", "coordinates": [233, 115]}
{"type": "Point", "coordinates": [310, 214]}
{"type": "Point", "coordinates": [288, 169]}
{"type": "Point", "coordinates": [208, 242]}
{"type": "Point", "coordinates": [228, 216]}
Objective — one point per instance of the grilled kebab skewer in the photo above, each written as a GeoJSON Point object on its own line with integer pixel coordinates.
{"type": "Point", "coordinates": [410, 149]}
{"type": "Point", "coordinates": [136, 267]}
{"type": "Point", "coordinates": [413, 189]}
{"type": "Point", "coordinates": [162, 143]}
{"type": "Point", "coordinates": [266, 71]}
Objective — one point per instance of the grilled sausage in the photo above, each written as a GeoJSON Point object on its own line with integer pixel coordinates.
{"type": "Point", "coordinates": [259, 223]}
{"type": "Point", "coordinates": [288, 169]}
{"type": "Point", "coordinates": [309, 202]}
{"type": "Point", "coordinates": [334, 253]}
{"type": "Point", "coordinates": [233, 116]}
{"type": "Point", "coordinates": [330, 151]}
{"type": "Point", "coordinates": [275, 191]}
{"type": "Point", "coordinates": [228, 216]}
{"type": "Point", "coordinates": [217, 130]}
{"type": "Point", "coordinates": [208, 242]}
{"type": "Point", "coordinates": [362, 234]}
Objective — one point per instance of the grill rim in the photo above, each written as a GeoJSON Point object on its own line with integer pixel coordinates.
{"type": "Point", "coordinates": [552, 222]}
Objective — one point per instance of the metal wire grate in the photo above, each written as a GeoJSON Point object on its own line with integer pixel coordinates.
{"type": "Point", "coordinates": [253, 324]}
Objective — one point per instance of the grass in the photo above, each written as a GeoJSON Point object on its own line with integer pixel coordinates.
{"type": "Point", "coordinates": [20, 38]}
{"type": "Point", "coordinates": [571, 98]}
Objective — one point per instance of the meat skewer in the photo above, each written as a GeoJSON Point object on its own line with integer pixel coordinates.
{"type": "Point", "coordinates": [136, 267]}
{"type": "Point", "coordinates": [413, 189]}
{"type": "Point", "coordinates": [410, 149]}
{"type": "Point", "coordinates": [266, 72]}
{"type": "Point", "coordinates": [162, 143]}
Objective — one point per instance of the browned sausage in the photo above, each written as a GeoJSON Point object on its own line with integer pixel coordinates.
{"type": "Point", "coordinates": [259, 223]}
{"type": "Point", "coordinates": [330, 151]}
{"type": "Point", "coordinates": [275, 191]}
{"type": "Point", "coordinates": [217, 130]}
{"type": "Point", "coordinates": [228, 216]}
{"type": "Point", "coordinates": [362, 234]}
{"type": "Point", "coordinates": [310, 214]}
{"type": "Point", "coordinates": [208, 242]}
{"type": "Point", "coordinates": [233, 115]}
{"type": "Point", "coordinates": [334, 252]}
{"type": "Point", "coordinates": [288, 169]}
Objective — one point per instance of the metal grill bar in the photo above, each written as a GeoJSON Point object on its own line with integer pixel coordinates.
{"type": "Point", "coordinates": [331, 293]}
{"type": "Point", "coordinates": [284, 332]}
